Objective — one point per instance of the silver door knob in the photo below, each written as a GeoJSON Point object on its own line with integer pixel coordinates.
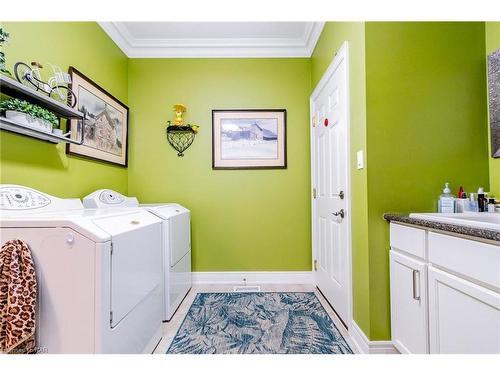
{"type": "Point", "coordinates": [340, 194]}
{"type": "Point", "coordinates": [340, 213]}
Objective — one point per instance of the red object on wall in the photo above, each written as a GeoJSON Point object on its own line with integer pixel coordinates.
{"type": "Point", "coordinates": [326, 122]}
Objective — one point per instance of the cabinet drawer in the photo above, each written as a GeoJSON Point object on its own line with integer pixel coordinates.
{"type": "Point", "coordinates": [477, 260]}
{"type": "Point", "coordinates": [408, 239]}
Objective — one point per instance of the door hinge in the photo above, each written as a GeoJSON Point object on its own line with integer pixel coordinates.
{"type": "Point", "coordinates": [315, 264]}
{"type": "Point", "coordinates": [314, 193]}
{"type": "Point", "coordinates": [110, 317]}
{"type": "Point", "coordinates": [112, 248]}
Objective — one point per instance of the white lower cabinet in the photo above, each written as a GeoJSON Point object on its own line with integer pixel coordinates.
{"type": "Point", "coordinates": [445, 293]}
{"type": "Point", "coordinates": [408, 304]}
{"type": "Point", "coordinates": [464, 317]}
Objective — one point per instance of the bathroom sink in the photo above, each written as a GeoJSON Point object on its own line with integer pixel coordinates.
{"type": "Point", "coordinates": [484, 220]}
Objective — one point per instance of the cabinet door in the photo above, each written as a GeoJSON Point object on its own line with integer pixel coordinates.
{"type": "Point", "coordinates": [408, 304]}
{"type": "Point", "coordinates": [463, 317]}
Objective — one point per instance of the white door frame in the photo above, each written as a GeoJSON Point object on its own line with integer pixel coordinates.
{"type": "Point", "coordinates": [341, 55]}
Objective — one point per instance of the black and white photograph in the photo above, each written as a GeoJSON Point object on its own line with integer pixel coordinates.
{"type": "Point", "coordinates": [244, 139]}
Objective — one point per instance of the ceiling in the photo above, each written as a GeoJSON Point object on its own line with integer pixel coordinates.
{"type": "Point", "coordinates": [215, 39]}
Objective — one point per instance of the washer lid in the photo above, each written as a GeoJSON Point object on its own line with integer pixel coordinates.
{"type": "Point", "coordinates": [99, 225]}
{"type": "Point", "coordinates": [126, 222]}
{"type": "Point", "coordinates": [165, 211]}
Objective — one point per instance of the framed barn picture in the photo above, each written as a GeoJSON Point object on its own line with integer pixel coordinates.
{"type": "Point", "coordinates": [105, 130]}
{"type": "Point", "coordinates": [248, 138]}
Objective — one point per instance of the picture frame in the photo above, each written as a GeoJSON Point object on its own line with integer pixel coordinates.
{"type": "Point", "coordinates": [494, 102]}
{"type": "Point", "coordinates": [105, 131]}
{"type": "Point", "coordinates": [249, 139]}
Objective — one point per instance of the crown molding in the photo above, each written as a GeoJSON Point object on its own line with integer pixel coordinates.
{"type": "Point", "coordinates": [214, 48]}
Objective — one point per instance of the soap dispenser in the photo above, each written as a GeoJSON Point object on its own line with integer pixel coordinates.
{"type": "Point", "coordinates": [446, 203]}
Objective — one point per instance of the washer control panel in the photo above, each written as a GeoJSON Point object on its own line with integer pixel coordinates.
{"type": "Point", "coordinates": [20, 198]}
{"type": "Point", "coordinates": [111, 197]}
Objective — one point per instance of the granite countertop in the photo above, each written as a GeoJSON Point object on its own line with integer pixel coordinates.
{"type": "Point", "coordinates": [488, 234]}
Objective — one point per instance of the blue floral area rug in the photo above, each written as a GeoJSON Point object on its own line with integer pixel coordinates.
{"type": "Point", "coordinates": [258, 323]}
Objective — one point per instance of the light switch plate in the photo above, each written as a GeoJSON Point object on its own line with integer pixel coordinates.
{"type": "Point", "coordinates": [360, 159]}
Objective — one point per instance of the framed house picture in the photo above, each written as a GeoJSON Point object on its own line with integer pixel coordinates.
{"type": "Point", "coordinates": [248, 138]}
{"type": "Point", "coordinates": [105, 129]}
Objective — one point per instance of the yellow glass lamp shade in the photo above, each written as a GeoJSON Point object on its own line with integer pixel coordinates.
{"type": "Point", "coordinates": [179, 110]}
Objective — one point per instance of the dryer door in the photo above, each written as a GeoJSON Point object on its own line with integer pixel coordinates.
{"type": "Point", "coordinates": [136, 261]}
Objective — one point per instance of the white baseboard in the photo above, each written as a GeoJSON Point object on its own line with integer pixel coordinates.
{"type": "Point", "coordinates": [366, 346]}
{"type": "Point", "coordinates": [277, 277]}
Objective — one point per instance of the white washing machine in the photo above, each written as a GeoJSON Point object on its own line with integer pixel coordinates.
{"type": "Point", "coordinates": [99, 272]}
{"type": "Point", "coordinates": [176, 242]}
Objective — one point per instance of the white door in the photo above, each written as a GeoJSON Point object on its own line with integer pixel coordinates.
{"type": "Point", "coordinates": [408, 304]}
{"type": "Point", "coordinates": [463, 317]}
{"type": "Point", "coordinates": [329, 147]}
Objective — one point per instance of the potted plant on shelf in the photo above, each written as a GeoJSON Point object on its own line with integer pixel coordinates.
{"type": "Point", "coordinates": [4, 37]}
{"type": "Point", "coordinates": [30, 115]}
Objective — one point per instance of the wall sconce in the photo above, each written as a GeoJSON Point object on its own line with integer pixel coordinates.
{"type": "Point", "coordinates": [180, 135]}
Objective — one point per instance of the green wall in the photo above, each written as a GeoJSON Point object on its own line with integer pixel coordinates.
{"type": "Point", "coordinates": [42, 165]}
{"type": "Point", "coordinates": [243, 220]}
{"type": "Point", "coordinates": [426, 100]}
{"type": "Point", "coordinates": [493, 44]}
{"type": "Point", "coordinates": [332, 37]}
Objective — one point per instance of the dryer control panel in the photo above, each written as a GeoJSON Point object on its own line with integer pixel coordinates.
{"type": "Point", "coordinates": [107, 198]}
{"type": "Point", "coordinates": [111, 197]}
{"type": "Point", "coordinates": [20, 198]}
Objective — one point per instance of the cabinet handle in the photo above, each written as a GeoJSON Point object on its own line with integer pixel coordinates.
{"type": "Point", "coordinates": [416, 281]}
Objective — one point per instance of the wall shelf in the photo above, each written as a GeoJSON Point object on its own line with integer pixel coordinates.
{"type": "Point", "coordinates": [15, 89]}
{"type": "Point", "coordinates": [12, 126]}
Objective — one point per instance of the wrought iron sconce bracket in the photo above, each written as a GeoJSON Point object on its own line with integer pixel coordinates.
{"type": "Point", "coordinates": [180, 138]}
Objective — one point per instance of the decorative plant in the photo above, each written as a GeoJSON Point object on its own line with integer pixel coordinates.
{"type": "Point", "coordinates": [4, 36]}
{"type": "Point", "coordinates": [194, 128]}
{"type": "Point", "coordinates": [33, 110]}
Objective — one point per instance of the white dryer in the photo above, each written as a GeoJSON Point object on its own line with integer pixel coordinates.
{"type": "Point", "coordinates": [99, 272]}
{"type": "Point", "coordinates": [176, 242]}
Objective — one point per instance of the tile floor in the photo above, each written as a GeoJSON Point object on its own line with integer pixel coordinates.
{"type": "Point", "coordinates": [170, 328]}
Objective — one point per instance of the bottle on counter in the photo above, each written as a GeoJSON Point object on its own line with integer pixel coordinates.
{"type": "Point", "coordinates": [491, 205]}
{"type": "Point", "coordinates": [462, 202]}
{"type": "Point", "coordinates": [482, 202]}
{"type": "Point", "coordinates": [446, 203]}
{"type": "Point", "coordinates": [472, 206]}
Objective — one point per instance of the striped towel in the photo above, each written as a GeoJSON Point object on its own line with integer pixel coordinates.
{"type": "Point", "coordinates": [18, 293]}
